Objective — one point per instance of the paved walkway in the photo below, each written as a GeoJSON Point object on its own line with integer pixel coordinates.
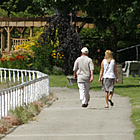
{"type": "Point", "coordinates": [65, 119]}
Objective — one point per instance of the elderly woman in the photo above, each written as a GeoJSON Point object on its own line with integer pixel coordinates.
{"type": "Point", "coordinates": [108, 73]}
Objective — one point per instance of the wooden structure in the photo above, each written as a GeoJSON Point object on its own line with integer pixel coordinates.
{"type": "Point", "coordinates": [18, 41]}
{"type": "Point", "coordinates": [8, 24]}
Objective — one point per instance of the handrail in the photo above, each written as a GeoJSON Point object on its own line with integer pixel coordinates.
{"type": "Point", "coordinates": [34, 85]}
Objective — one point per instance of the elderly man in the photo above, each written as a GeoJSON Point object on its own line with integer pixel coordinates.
{"type": "Point", "coordinates": [83, 72]}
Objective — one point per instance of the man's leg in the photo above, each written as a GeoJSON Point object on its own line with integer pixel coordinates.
{"type": "Point", "coordinates": [82, 92]}
{"type": "Point", "coordinates": [87, 86]}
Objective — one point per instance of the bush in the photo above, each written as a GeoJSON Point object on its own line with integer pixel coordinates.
{"type": "Point", "coordinates": [97, 66]}
{"type": "Point", "coordinates": [43, 58]}
{"type": "Point", "coordinates": [17, 59]}
{"type": "Point", "coordinates": [30, 55]}
{"type": "Point", "coordinates": [97, 69]}
{"type": "Point", "coordinates": [28, 112]}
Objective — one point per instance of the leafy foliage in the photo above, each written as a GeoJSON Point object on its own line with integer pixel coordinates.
{"type": "Point", "coordinates": [121, 19]}
{"type": "Point", "coordinates": [3, 13]}
{"type": "Point", "coordinates": [96, 41]}
{"type": "Point", "coordinates": [43, 59]}
{"type": "Point", "coordinates": [24, 8]}
{"type": "Point", "coordinates": [19, 59]}
{"type": "Point", "coordinates": [69, 41]}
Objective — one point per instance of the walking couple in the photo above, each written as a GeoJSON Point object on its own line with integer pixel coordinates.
{"type": "Point", "coordinates": [84, 73]}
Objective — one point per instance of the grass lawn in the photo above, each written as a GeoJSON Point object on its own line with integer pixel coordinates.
{"type": "Point", "coordinates": [129, 88]}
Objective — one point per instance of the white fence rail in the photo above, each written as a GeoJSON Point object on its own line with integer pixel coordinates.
{"type": "Point", "coordinates": [32, 85]}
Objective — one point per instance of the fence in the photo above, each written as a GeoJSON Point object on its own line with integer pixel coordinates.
{"type": "Point", "coordinates": [18, 41]}
{"type": "Point", "coordinates": [32, 85]}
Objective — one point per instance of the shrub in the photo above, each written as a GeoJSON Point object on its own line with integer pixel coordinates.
{"type": "Point", "coordinates": [43, 58]}
{"type": "Point", "coordinates": [30, 55]}
{"type": "Point", "coordinates": [27, 113]}
{"type": "Point", "coordinates": [97, 69]}
{"type": "Point", "coordinates": [96, 66]}
{"type": "Point", "coordinates": [17, 59]}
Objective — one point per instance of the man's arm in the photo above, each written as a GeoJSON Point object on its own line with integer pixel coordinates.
{"type": "Point", "coordinates": [75, 68]}
{"type": "Point", "coordinates": [75, 75]}
{"type": "Point", "coordinates": [92, 75]}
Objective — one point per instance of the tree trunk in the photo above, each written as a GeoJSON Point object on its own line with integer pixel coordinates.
{"type": "Point", "coordinates": [113, 30]}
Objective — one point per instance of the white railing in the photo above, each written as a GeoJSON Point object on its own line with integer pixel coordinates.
{"type": "Point", "coordinates": [32, 85]}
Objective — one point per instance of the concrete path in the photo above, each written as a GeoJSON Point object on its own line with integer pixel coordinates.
{"type": "Point", "coordinates": [65, 119]}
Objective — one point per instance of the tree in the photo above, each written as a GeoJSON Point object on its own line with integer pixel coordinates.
{"type": "Point", "coordinates": [3, 13]}
{"type": "Point", "coordinates": [117, 18]}
{"type": "Point", "coordinates": [62, 30]}
{"type": "Point", "coordinates": [120, 17]}
{"type": "Point", "coordinates": [16, 6]}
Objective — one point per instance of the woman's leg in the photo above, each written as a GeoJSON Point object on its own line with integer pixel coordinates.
{"type": "Point", "coordinates": [110, 99]}
{"type": "Point", "coordinates": [111, 90]}
{"type": "Point", "coordinates": [110, 96]}
{"type": "Point", "coordinates": [106, 98]}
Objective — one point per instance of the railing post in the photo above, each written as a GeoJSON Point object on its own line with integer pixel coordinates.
{"type": "Point", "coordinates": [3, 104]}
{"type": "Point", "coordinates": [33, 75]}
{"type": "Point", "coordinates": [26, 76]}
{"type": "Point", "coordinates": [13, 98]}
{"type": "Point", "coordinates": [18, 76]}
{"type": "Point", "coordinates": [0, 106]}
{"type": "Point", "coordinates": [26, 96]}
{"type": "Point", "coordinates": [21, 96]}
{"type": "Point", "coordinates": [5, 75]}
{"type": "Point", "coordinates": [9, 75]}
{"type": "Point", "coordinates": [9, 100]}
{"type": "Point", "coordinates": [29, 76]}
{"type": "Point", "coordinates": [1, 76]}
{"type": "Point", "coordinates": [14, 77]}
{"type": "Point", "coordinates": [22, 76]}
{"type": "Point", "coordinates": [6, 103]}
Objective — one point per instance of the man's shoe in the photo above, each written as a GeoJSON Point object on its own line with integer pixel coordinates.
{"type": "Point", "coordinates": [84, 105]}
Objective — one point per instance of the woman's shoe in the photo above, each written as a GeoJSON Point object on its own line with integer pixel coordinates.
{"type": "Point", "coordinates": [111, 103]}
{"type": "Point", "coordinates": [106, 106]}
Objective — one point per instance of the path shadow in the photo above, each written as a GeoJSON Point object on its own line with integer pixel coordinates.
{"type": "Point", "coordinates": [97, 88]}
{"type": "Point", "coordinates": [126, 86]}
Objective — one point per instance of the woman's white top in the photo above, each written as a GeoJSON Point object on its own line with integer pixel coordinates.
{"type": "Point", "coordinates": [108, 69]}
